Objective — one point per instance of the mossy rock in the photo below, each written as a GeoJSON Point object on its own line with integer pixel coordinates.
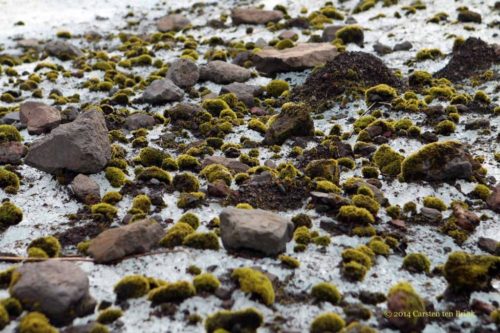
{"type": "Point", "coordinates": [355, 215]}
{"type": "Point", "coordinates": [417, 262]}
{"type": "Point", "coordinates": [326, 168]}
{"type": "Point", "coordinates": [256, 283]}
{"type": "Point", "coordinates": [50, 245]}
{"type": "Point", "coordinates": [9, 133]}
{"type": "Point", "coordinates": [403, 298]}
{"type": "Point", "coordinates": [109, 315]}
{"type": "Point", "coordinates": [176, 235]}
{"type": "Point", "coordinates": [9, 181]}
{"type": "Point", "coordinates": [388, 160]}
{"type": "Point", "coordinates": [35, 322]}
{"type": "Point", "coordinates": [202, 240]}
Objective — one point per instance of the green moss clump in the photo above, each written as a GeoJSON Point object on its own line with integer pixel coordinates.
{"type": "Point", "coordinates": [388, 160]}
{"type": "Point", "coordinates": [436, 203]}
{"type": "Point", "coordinates": [50, 245]}
{"type": "Point", "coordinates": [112, 197]}
{"type": "Point", "coordinates": [466, 273]}
{"type": "Point", "coordinates": [326, 168]}
{"type": "Point", "coordinates": [154, 172]}
{"type": "Point", "coordinates": [4, 317]}
{"type": "Point", "coordinates": [355, 215]}
{"type": "Point", "coordinates": [10, 214]}
{"type": "Point", "coordinates": [214, 172]}
{"type": "Point", "coordinates": [190, 200]}
{"type": "Point", "coordinates": [6, 276]}
{"type": "Point", "coordinates": [9, 133]}
{"type": "Point", "coordinates": [351, 34]}
{"type": "Point", "coordinates": [364, 201]}
{"type": "Point", "coordinates": [495, 316]}
{"type": "Point", "coordinates": [12, 306]}
{"type": "Point", "coordinates": [9, 181]}
{"type": "Point", "coordinates": [215, 106]}
{"type": "Point", "coordinates": [172, 292]}
{"type": "Point", "coordinates": [151, 156]}
{"type": "Point", "coordinates": [109, 315]}
{"type": "Point", "coordinates": [354, 271]}
{"type": "Point", "coordinates": [131, 286]}
{"type": "Point", "coordinates": [115, 176]}
{"type": "Point", "coordinates": [379, 247]}
{"type": "Point", "coordinates": [482, 192]}
{"type": "Point", "coordinates": [206, 283]}
{"type": "Point", "coordinates": [141, 203]}
{"type": "Point", "coordinates": [105, 210]}
{"type": "Point", "coordinates": [363, 122]}
{"type": "Point", "coordinates": [247, 320]}
{"type": "Point", "coordinates": [380, 93]}
{"type": "Point", "coordinates": [356, 255]}
{"type": "Point", "coordinates": [277, 87]}
{"type": "Point", "coordinates": [190, 219]}
{"type": "Point", "coordinates": [326, 186]}
{"type": "Point", "coordinates": [347, 162]}
{"type": "Point", "coordinates": [429, 54]}
{"type": "Point", "coordinates": [417, 263]}
{"type": "Point", "coordinates": [187, 162]}
{"type": "Point", "coordinates": [284, 44]}
{"type": "Point", "coordinates": [301, 220]}
{"type": "Point", "coordinates": [406, 300]}
{"type": "Point", "coordinates": [142, 60]}
{"type": "Point", "coordinates": [420, 78]}
{"type": "Point", "coordinates": [35, 322]}
{"type": "Point", "coordinates": [99, 328]}
{"type": "Point", "coordinates": [302, 235]}
{"type": "Point", "coordinates": [257, 125]}
{"type": "Point", "coordinates": [202, 240]}
{"type": "Point", "coordinates": [446, 127]}
{"type": "Point", "coordinates": [176, 234]}
{"type": "Point", "coordinates": [255, 282]}
{"type": "Point", "coordinates": [186, 182]}
{"type": "Point", "coordinates": [36, 252]}
{"type": "Point", "coordinates": [369, 172]}
{"type": "Point", "coordinates": [289, 262]}
{"type": "Point", "coordinates": [326, 292]}
{"type": "Point", "coordinates": [327, 322]}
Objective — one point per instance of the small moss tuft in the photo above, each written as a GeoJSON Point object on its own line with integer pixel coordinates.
{"type": "Point", "coordinates": [10, 214]}
{"type": "Point", "coordinates": [172, 292]}
{"type": "Point", "coordinates": [131, 286]}
{"type": "Point", "coordinates": [202, 240]}
{"type": "Point", "coordinates": [50, 245]}
{"type": "Point", "coordinates": [417, 262]}
{"type": "Point", "coordinates": [434, 202]}
{"type": "Point", "coordinates": [327, 322]}
{"type": "Point", "coordinates": [277, 87]}
{"type": "Point", "coordinates": [206, 282]}
{"type": "Point", "coordinates": [326, 292]}
{"type": "Point", "coordinates": [109, 315]}
{"type": "Point", "coordinates": [255, 282]}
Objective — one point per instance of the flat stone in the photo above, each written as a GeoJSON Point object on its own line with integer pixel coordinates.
{"type": "Point", "coordinates": [39, 117]}
{"type": "Point", "coordinates": [62, 50]}
{"type": "Point", "coordinates": [253, 15]}
{"type": "Point", "coordinates": [223, 72]}
{"type": "Point", "coordinates": [230, 163]}
{"type": "Point", "coordinates": [172, 23]}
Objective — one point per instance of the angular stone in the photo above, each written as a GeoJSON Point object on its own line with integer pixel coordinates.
{"type": "Point", "coordinates": [252, 15]}
{"type": "Point", "coordinates": [232, 164]}
{"type": "Point", "coordinates": [330, 32]}
{"type": "Point", "coordinates": [293, 120]}
{"type": "Point", "coordinates": [86, 189]}
{"type": "Point", "coordinates": [297, 58]}
{"type": "Point", "coordinates": [254, 229]}
{"type": "Point", "coordinates": [58, 289]}
{"type": "Point", "coordinates": [62, 50]}
{"type": "Point", "coordinates": [161, 92]}
{"type": "Point", "coordinates": [493, 201]}
{"type": "Point", "coordinates": [81, 146]}
{"type": "Point", "coordinates": [39, 117]}
{"type": "Point", "coordinates": [139, 120]}
{"type": "Point", "coordinates": [244, 92]}
{"type": "Point", "coordinates": [223, 72]}
{"type": "Point", "coordinates": [172, 23]}
{"type": "Point", "coordinates": [11, 152]}
{"type": "Point", "coordinates": [183, 73]}
{"type": "Point", "coordinates": [117, 243]}
{"type": "Point", "coordinates": [431, 215]}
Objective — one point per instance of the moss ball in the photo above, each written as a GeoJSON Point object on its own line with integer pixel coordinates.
{"type": "Point", "coordinates": [365, 201]}
{"type": "Point", "coordinates": [115, 176]}
{"type": "Point", "coordinates": [131, 286]}
{"type": "Point", "coordinates": [50, 245]}
{"type": "Point", "coordinates": [109, 315]}
{"type": "Point", "coordinates": [206, 282]}
{"type": "Point", "coordinates": [10, 214]}
{"type": "Point", "coordinates": [353, 271]}
{"type": "Point", "coordinates": [12, 306]}
{"type": "Point", "coordinates": [214, 172]}
{"type": "Point", "coordinates": [379, 247]}
{"type": "Point", "coordinates": [104, 210]}
{"type": "Point", "coordinates": [380, 93]}
{"type": "Point", "coordinates": [445, 127]}
{"type": "Point", "coordinates": [417, 262]}
{"type": "Point", "coordinates": [202, 240]}
{"type": "Point", "coordinates": [154, 172]}
{"type": "Point", "coordinates": [434, 202]}
{"type": "Point", "coordinates": [388, 160]}
{"type": "Point", "coordinates": [151, 156]}
{"type": "Point", "coordinates": [175, 292]}
{"type": "Point", "coordinates": [35, 322]}
{"type": "Point", "coordinates": [276, 87]}
{"type": "Point", "coordinates": [187, 162]}
{"type": "Point", "coordinates": [141, 203]}
{"type": "Point", "coordinates": [190, 219]}
{"type": "Point", "coordinates": [246, 320]}
{"type": "Point", "coordinates": [284, 44]}
{"type": "Point", "coordinates": [369, 172]}
{"type": "Point", "coordinates": [9, 133]}
{"type": "Point", "coordinates": [176, 234]}
{"type": "Point", "coordinates": [256, 283]}
{"type": "Point", "coordinates": [482, 192]}
{"type": "Point", "coordinates": [289, 261]}
{"type": "Point", "coordinates": [327, 322]}
{"type": "Point", "coordinates": [9, 181]}
{"type": "Point", "coordinates": [112, 197]}
{"type": "Point", "coordinates": [351, 34]}
{"type": "Point", "coordinates": [326, 292]}
{"type": "Point", "coordinates": [353, 214]}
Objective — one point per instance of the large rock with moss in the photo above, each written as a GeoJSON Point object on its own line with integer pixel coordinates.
{"type": "Point", "coordinates": [253, 15]}
{"type": "Point", "coordinates": [439, 161]}
{"type": "Point", "coordinates": [297, 58]}
{"type": "Point", "coordinates": [58, 289]}
{"type": "Point", "coordinates": [81, 146]}
{"type": "Point", "coordinates": [254, 229]}
{"type": "Point", "coordinates": [114, 244]}
{"type": "Point", "coordinates": [223, 72]}
{"type": "Point", "coordinates": [293, 120]}
{"type": "Point", "coordinates": [403, 298]}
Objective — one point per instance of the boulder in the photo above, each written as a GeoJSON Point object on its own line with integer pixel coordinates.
{"type": "Point", "coordinates": [230, 163]}
{"type": "Point", "coordinates": [254, 229]}
{"type": "Point", "coordinates": [58, 289]}
{"type": "Point", "coordinates": [253, 15]}
{"type": "Point", "coordinates": [183, 73]}
{"type": "Point", "coordinates": [11, 152]}
{"type": "Point", "coordinates": [493, 201]}
{"type": "Point", "coordinates": [117, 243]}
{"type": "Point", "coordinates": [244, 92]}
{"type": "Point", "coordinates": [62, 50]}
{"type": "Point", "coordinates": [222, 72]}
{"type": "Point", "coordinates": [86, 189]}
{"type": "Point", "coordinates": [139, 120]}
{"type": "Point", "coordinates": [161, 92]}
{"type": "Point", "coordinates": [297, 58]}
{"type": "Point", "coordinates": [293, 120]}
{"type": "Point", "coordinates": [81, 146]}
{"type": "Point", "coordinates": [172, 23]}
{"type": "Point", "coordinates": [39, 117]}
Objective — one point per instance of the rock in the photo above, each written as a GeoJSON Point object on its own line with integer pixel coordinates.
{"type": "Point", "coordinates": [330, 32]}
{"type": "Point", "coordinates": [403, 299]}
{"type": "Point", "coordinates": [62, 50]}
{"type": "Point", "coordinates": [139, 120]}
{"type": "Point", "coordinates": [439, 161]}
{"type": "Point", "coordinates": [468, 16]}
{"type": "Point", "coordinates": [232, 164]}
{"type": "Point", "coordinates": [172, 23]}
{"type": "Point", "coordinates": [479, 306]}
{"type": "Point", "coordinates": [183, 73]}
{"type": "Point", "coordinates": [244, 92]}
{"type": "Point", "coordinates": [117, 243]}
{"type": "Point", "coordinates": [218, 189]}
{"type": "Point", "coordinates": [293, 120]}
{"type": "Point", "coordinates": [464, 218]}
{"type": "Point", "coordinates": [161, 92]}
{"type": "Point", "coordinates": [474, 56]}
{"type": "Point", "coordinates": [297, 58]}
{"type": "Point", "coordinates": [222, 72]}
{"type": "Point", "coordinates": [81, 146]}
{"type": "Point", "coordinates": [381, 49]}
{"type": "Point", "coordinates": [400, 224]}
{"type": "Point", "coordinates": [29, 43]}
{"type": "Point", "coordinates": [11, 118]}
{"type": "Point", "coordinates": [431, 215]}
{"type": "Point", "coordinates": [86, 189]}
{"type": "Point", "coordinates": [288, 34]}
{"type": "Point", "coordinates": [254, 229]}
{"type": "Point", "coordinates": [58, 289]}
{"type": "Point", "coordinates": [493, 201]}
{"type": "Point", "coordinates": [475, 124]}
{"type": "Point", "coordinates": [69, 114]}
{"type": "Point", "coordinates": [331, 200]}
{"type": "Point", "coordinates": [184, 111]}
{"type": "Point", "coordinates": [489, 245]}
{"type": "Point", "coordinates": [39, 117]}
{"type": "Point", "coordinates": [252, 15]}
{"type": "Point", "coordinates": [12, 152]}
{"type": "Point", "coordinates": [404, 46]}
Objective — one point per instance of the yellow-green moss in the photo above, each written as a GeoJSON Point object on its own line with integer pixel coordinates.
{"type": "Point", "coordinates": [379, 247]}
{"type": "Point", "coordinates": [112, 197]}
{"type": "Point", "coordinates": [154, 172]}
{"type": "Point", "coordinates": [131, 286]}
{"type": "Point", "coordinates": [445, 127]}
{"type": "Point", "coordinates": [176, 235]}
{"type": "Point", "coordinates": [49, 244]}
{"type": "Point", "coordinates": [289, 262]}
{"type": "Point", "coordinates": [12, 306]}
{"type": "Point", "coordinates": [35, 322]}
{"type": "Point", "coordinates": [388, 160]}
{"type": "Point", "coordinates": [380, 93]}
{"type": "Point", "coordinates": [326, 292]}
{"type": "Point", "coordinates": [190, 200]}
{"type": "Point", "coordinates": [172, 292]}
{"type": "Point", "coordinates": [4, 317]}
{"type": "Point", "coordinates": [364, 201]}
{"type": "Point", "coordinates": [9, 181]}
{"type": "Point", "coordinates": [9, 133]}
{"type": "Point", "coordinates": [355, 215]}
{"type": "Point", "coordinates": [255, 282]}
{"type": "Point", "coordinates": [277, 87]}
{"type": "Point", "coordinates": [109, 315]}
{"type": "Point", "coordinates": [115, 176]}
{"type": "Point", "coordinates": [481, 191]}
{"type": "Point", "coordinates": [247, 320]}
{"type": "Point", "coordinates": [105, 210]}
{"type": "Point", "coordinates": [151, 156]}
{"type": "Point", "coordinates": [434, 202]}
{"type": "Point", "coordinates": [351, 34]}
{"type": "Point", "coordinates": [327, 322]}
{"type": "Point", "coordinates": [214, 172]}
{"type": "Point", "coordinates": [187, 162]}
{"type": "Point", "coordinates": [202, 240]}
{"type": "Point", "coordinates": [190, 219]}
{"type": "Point", "coordinates": [10, 214]}
{"type": "Point", "coordinates": [429, 54]}
{"type": "Point", "coordinates": [417, 262]}
{"type": "Point", "coordinates": [327, 169]}
{"type": "Point", "coordinates": [206, 282]}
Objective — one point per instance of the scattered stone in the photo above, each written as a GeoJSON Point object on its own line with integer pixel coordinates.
{"type": "Point", "coordinates": [183, 73]}
{"type": "Point", "coordinates": [58, 289]}
{"type": "Point", "coordinates": [431, 215]}
{"type": "Point", "coordinates": [245, 92]}
{"type": "Point", "coordinates": [62, 50]}
{"type": "Point", "coordinates": [12, 152]}
{"type": "Point", "coordinates": [81, 146]}
{"type": "Point", "coordinates": [86, 189]}
{"type": "Point", "coordinates": [184, 111]}
{"type": "Point", "coordinates": [404, 46]}
{"type": "Point", "coordinates": [172, 22]}
{"type": "Point", "coordinates": [382, 49]}
{"type": "Point", "coordinates": [161, 92]}
{"type": "Point", "coordinates": [475, 124]}
{"type": "Point", "coordinates": [29, 43]}
{"type": "Point", "coordinates": [11, 118]}
{"type": "Point", "coordinates": [400, 224]}
{"type": "Point", "coordinates": [297, 58]}
{"type": "Point", "coordinates": [489, 245]}
{"type": "Point", "coordinates": [252, 15]}
{"type": "Point", "coordinates": [223, 73]}
{"type": "Point", "coordinates": [493, 201]}
{"type": "Point", "coordinates": [331, 201]}
{"type": "Point", "coordinates": [39, 117]}
{"type": "Point", "coordinates": [218, 189]}
{"type": "Point", "coordinates": [254, 229]}
{"type": "Point", "coordinates": [468, 16]}
{"type": "Point", "coordinates": [464, 218]}
{"type": "Point", "coordinates": [232, 164]}
{"type": "Point", "coordinates": [293, 120]}
{"type": "Point", "coordinates": [330, 32]}
{"type": "Point", "coordinates": [117, 243]}
{"type": "Point", "coordinates": [288, 34]}
{"type": "Point", "coordinates": [139, 120]}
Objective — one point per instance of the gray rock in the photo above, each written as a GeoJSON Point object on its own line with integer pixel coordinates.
{"type": "Point", "coordinates": [183, 73]}
{"type": "Point", "coordinates": [254, 229]}
{"type": "Point", "coordinates": [330, 32]}
{"type": "Point", "coordinates": [184, 111]}
{"type": "Point", "coordinates": [252, 15]}
{"type": "Point", "coordinates": [86, 189]}
{"type": "Point", "coordinates": [11, 152]}
{"type": "Point", "coordinates": [431, 215]}
{"type": "Point", "coordinates": [58, 289]}
{"type": "Point", "coordinates": [493, 201]}
{"type": "Point", "coordinates": [489, 245]}
{"type": "Point", "coordinates": [162, 91]}
{"type": "Point", "coordinates": [62, 50]}
{"type": "Point", "coordinates": [244, 92]}
{"type": "Point", "coordinates": [297, 58]}
{"type": "Point", "coordinates": [117, 243]}
{"type": "Point", "coordinates": [81, 146]}
{"type": "Point", "coordinates": [39, 117]}
{"type": "Point", "coordinates": [232, 164]}
{"type": "Point", "coordinates": [172, 23]}
{"type": "Point", "coordinates": [29, 43]}
{"type": "Point", "coordinates": [404, 46]}
{"type": "Point", "coordinates": [139, 120]}
{"type": "Point", "coordinates": [475, 124]}
{"type": "Point", "coordinates": [223, 72]}
{"type": "Point", "coordinates": [11, 117]}
{"type": "Point", "coordinates": [381, 49]}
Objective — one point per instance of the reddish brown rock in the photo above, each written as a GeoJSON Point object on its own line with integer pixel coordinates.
{"type": "Point", "coordinates": [494, 199]}
{"type": "Point", "coordinates": [39, 117]}
{"type": "Point", "coordinates": [86, 189]}
{"type": "Point", "coordinates": [11, 152]}
{"type": "Point", "coordinates": [252, 15]}
{"type": "Point", "coordinates": [172, 23]}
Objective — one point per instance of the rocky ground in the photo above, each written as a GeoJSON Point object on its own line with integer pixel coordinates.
{"type": "Point", "coordinates": [241, 166]}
